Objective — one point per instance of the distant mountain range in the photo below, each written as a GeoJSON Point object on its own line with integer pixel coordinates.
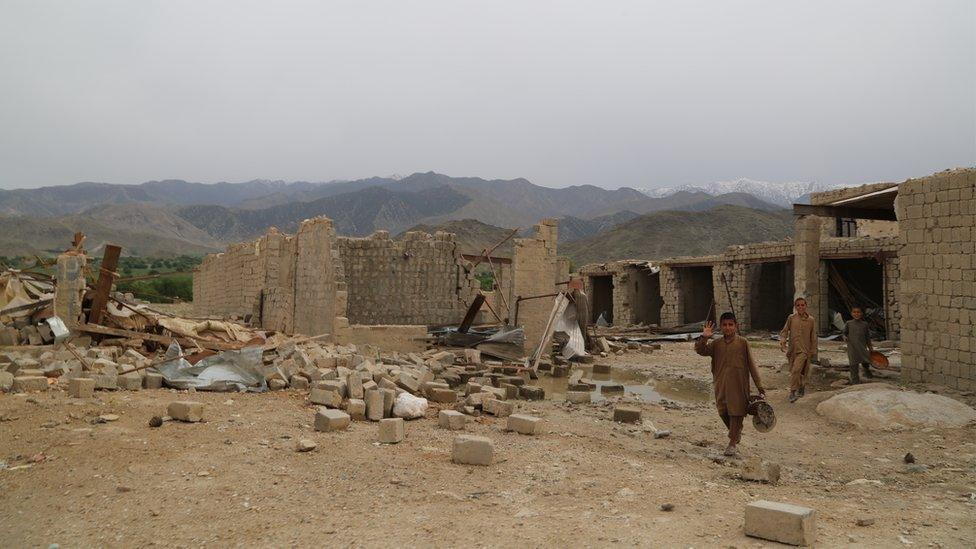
{"type": "Point", "coordinates": [173, 217]}
{"type": "Point", "coordinates": [780, 194]}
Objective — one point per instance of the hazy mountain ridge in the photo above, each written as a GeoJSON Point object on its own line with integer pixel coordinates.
{"type": "Point", "coordinates": [780, 194]}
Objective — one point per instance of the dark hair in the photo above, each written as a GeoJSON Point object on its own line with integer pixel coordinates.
{"type": "Point", "coordinates": [727, 316]}
{"type": "Point", "coordinates": [858, 307]}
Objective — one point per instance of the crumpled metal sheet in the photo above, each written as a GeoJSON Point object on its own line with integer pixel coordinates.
{"type": "Point", "coordinates": [567, 324]}
{"type": "Point", "coordinates": [239, 371]}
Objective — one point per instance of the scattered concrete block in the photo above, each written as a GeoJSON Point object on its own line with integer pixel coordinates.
{"type": "Point", "coordinates": [389, 399]}
{"type": "Point", "coordinates": [579, 397]}
{"type": "Point", "coordinates": [532, 392]}
{"type": "Point", "coordinates": [6, 381]}
{"type": "Point", "coordinates": [444, 396]}
{"type": "Point", "coordinates": [386, 383]}
{"type": "Point", "coordinates": [471, 388]}
{"type": "Point", "coordinates": [756, 469]}
{"type": "Point", "coordinates": [781, 522]}
{"type": "Point", "coordinates": [130, 382]}
{"type": "Point", "coordinates": [106, 382]}
{"type": "Point", "coordinates": [277, 384]}
{"type": "Point", "coordinates": [81, 387]}
{"type": "Point", "coordinates": [356, 408]}
{"type": "Point", "coordinates": [354, 384]}
{"type": "Point", "coordinates": [408, 383]}
{"type": "Point", "coordinates": [612, 388]}
{"type": "Point", "coordinates": [29, 384]}
{"type": "Point", "coordinates": [511, 391]}
{"type": "Point", "coordinates": [185, 410]}
{"type": "Point", "coordinates": [327, 419]}
{"type": "Point", "coordinates": [152, 381]}
{"type": "Point", "coordinates": [626, 414]}
{"type": "Point", "coordinates": [499, 408]}
{"type": "Point", "coordinates": [299, 382]}
{"type": "Point", "coordinates": [305, 445]}
{"type": "Point", "coordinates": [560, 370]}
{"type": "Point", "coordinates": [601, 368]}
{"type": "Point", "coordinates": [325, 397]}
{"type": "Point", "coordinates": [524, 424]}
{"type": "Point", "coordinates": [444, 357]}
{"type": "Point", "coordinates": [451, 419]}
{"type": "Point", "coordinates": [391, 430]}
{"type": "Point", "coordinates": [374, 405]}
{"type": "Point", "coordinates": [472, 450]}
{"type": "Point", "coordinates": [336, 385]}
{"type": "Point", "coordinates": [472, 356]}
{"type": "Point", "coordinates": [497, 392]}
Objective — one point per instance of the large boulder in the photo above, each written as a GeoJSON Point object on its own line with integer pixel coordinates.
{"type": "Point", "coordinates": [885, 408]}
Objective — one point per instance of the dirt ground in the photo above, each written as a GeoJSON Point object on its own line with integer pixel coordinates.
{"type": "Point", "coordinates": [236, 479]}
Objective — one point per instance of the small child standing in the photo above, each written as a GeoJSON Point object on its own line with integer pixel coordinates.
{"type": "Point", "coordinates": [858, 345]}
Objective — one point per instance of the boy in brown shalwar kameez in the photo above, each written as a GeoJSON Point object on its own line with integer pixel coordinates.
{"type": "Point", "coordinates": [732, 365]}
{"type": "Point", "coordinates": [800, 332]}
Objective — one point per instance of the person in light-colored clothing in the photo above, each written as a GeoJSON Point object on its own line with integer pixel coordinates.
{"type": "Point", "coordinates": [798, 340]}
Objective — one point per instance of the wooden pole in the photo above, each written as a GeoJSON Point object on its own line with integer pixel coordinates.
{"type": "Point", "coordinates": [106, 276]}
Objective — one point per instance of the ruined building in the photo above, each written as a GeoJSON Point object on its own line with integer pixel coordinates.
{"type": "Point", "coordinates": [314, 282]}
{"type": "Point", "coordinates": [906, 248]}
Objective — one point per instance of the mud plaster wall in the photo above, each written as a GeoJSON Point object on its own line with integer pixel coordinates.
{"type": "Point", "coordinates": [416, 280]}
{"type": "Point", "coordinates": [937, 215]}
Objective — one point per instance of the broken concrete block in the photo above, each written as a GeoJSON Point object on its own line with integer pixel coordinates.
{"type": "Point", "coordinates": [472, 356]}
{"type": "Point", "coordinates": [472, 450]}
{"type": "Point", "coordinates": [498, 408]}
{"type": "Point", "coordinates": [106, 382]}
{"type": "Point", "coordinates": [471, 388]}
{"type": "Point", "coordinates": [601, 368]}
{"type": "Point", "coordinates": [389, 399]}
{"type": "Point", "coordinates": [612, 388]}
{"type": "Point", "coordinates": [408, 383]}
{"type": "Point", "coordinates": [81, 387]}
{"type": "Point", "coordinates": [356, 408]}
{"type": "Point", "coordinates": [374, 405]}
{"type": "Point", "coordinates": [391, 430]}
{"type": "Point", "coordinates": [756, 469]}
{"type": "Point", "coordinates": [444, 357]}
{"type": "Point", "coordinates": [444, 396]}
{"type": "Point", "coordinates": [511, 391]}
{"type": "Point", "coordinates": [532, 392]}
{"type": "Point", "coordinates": [29, 384]}
{"type": "Point", "coordinates": [560, 370]}
{"type": "Point", "coordinates": [277, 384]}
{"type": "Point", "coordinates": [386, 383]}
{"type": "Point", "coordinates": [325, 397]}
{"type": "Point", "coordinates": [579, 397]}
{"type": "Point", "coordinates": [185, 410]}
{"type": "Point", "coordinates": [496, 392]}
{"type": "Point", "coordinates": [6, 381]}
{"type": "Point", "coordinates": [130, 382]}
{"type": "Point", "coordinates": [451, 419]}
{"type": "Point", "coordinates": [153, 381]}
{"type": "Point", "coordinates": [299, 382]}
{"type": "Point", "coordinates": [354, 385]}
{"type": "Point", "coordinates": [626, 414]}
{"type": "Point", "coordinates": [781, 522]}
{"type": "Point", "coordinates": [327, 419]}
{"type": "Point", "coordinates": [524, 424]}
{"type": "Point", "coordinates": [336, 385]}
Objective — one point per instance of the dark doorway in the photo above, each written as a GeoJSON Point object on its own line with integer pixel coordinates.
{"type": "Point", "coordinates": [602, 298]}
{"type": "Point", "coordinates": [647, 297]}
{"type": "Point", "coordinates": [857, 282]}
{"type": "Point", "coordinates": [697, 293]}
{"type": "Point", "coordinates": [770, 294]}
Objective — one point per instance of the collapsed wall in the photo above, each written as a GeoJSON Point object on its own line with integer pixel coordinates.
{"type": "Point", "coordinates": [535, 272]}
{"type": "Point", "coordinates": [938, 288]}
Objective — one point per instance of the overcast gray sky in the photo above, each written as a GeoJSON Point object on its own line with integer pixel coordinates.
{"type": "Point", "coordinates": [637, 94]}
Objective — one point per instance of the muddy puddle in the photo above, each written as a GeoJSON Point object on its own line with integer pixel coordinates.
{"type": "Point", "coordinates": [634, 383]}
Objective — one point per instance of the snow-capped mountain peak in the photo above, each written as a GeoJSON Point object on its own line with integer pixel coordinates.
{"type": "Point", "coordinates": [782, 194]}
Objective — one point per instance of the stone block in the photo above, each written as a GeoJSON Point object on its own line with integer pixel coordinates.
{"type": "Point", "coordinates": [389, 398]}
{"type": "Point", "coordinates": [524, 424]}
{"type": "Point", "coordinates": [354, 384]}
{"type": "Point", "coordinates": [451, 419]}
{"type": "Point", "coordinates": [29, 384]}
{"type": "Point", "coordinates": [532, 392]}
{"type": "Point", "coordinates": [325, 397]}
{"type": "Point", "coordinates": [6, 381]}
{"type": "Point", "coordinates": [626, 414]}
{"type": "Point", "coordinates": [185, 410]}
{"type": "Point", "coordinates": [130, 382]}
{"type": "Point", "coordinates": [601, 368]}
{"type": "Point", "coordinates": [472, 356]}
{"type": "Point", "coordinates": [408, 383]}
{"type": "Point", "coordinates": [106, 382]}
{"type": "Point", "coordinates": [81, 387]}
{"type": "Point", "coordinates": [579, 397]}
{"type": "Point", "coordinates": [612, 388]}
{"type": "Point", "coordinates": [756, 469]}
{"type": "Point", "coordinates": [152, 380]}
{"type": "Point", "coordinates": [511, 391]}
{"type": "Point", "coordinates": [444, 396]}
{"type": "Point", "coordinates": [781, 522]}
{"type": "Point", "coordinates": [499, 408]}
{"type": "Point", "coordinates": [374, 405]}
{"type": "Point", "coordinates": [327, 419]}
{"type": "Point", "coordinates": [472, 450]}
{"type": "Point", "coordinates": [356, 408]}
{"type": "Point", "coordinates": [299, 382]}
{"type": "Point", "coordinates": [391, 430]}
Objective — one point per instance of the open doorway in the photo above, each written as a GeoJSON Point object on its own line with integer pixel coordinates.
{"type": "Point", "coordinates": [647, 301]}
{"type": "Point", "coordinates": [857, 282]}
{"type": "Point", "coordinates": [770, 294]}
{"type": "Point", "coordinates": [697, 293]}
{"type": "Point", "coordinates": [602, 298]}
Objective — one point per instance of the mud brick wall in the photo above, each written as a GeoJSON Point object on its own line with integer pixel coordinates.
{"type": "Point", "coordinates": [534, 273]}
{"type": "Point", "coordinates": [936, 217]}
{"type": "Point", "coordinates": [316, 279]}
{"type": "Point", "coordinates": [70, 288]}
{"type": "Point", "coordinates": [416, 280]}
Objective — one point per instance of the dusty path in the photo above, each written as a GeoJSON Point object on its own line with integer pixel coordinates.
{"type": "Point", "coordinates": [236, 479]}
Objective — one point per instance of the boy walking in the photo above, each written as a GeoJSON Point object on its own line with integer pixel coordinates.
{"type": "Point", "coordinates": [801, 333]}
{"type": "Point", "coordinates": [859, 345]}
{"type": "Point", "coordinates": [732, 365]}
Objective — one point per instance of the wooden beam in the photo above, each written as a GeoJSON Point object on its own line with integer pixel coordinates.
{"type": "Point", "coordinates": [106, 277]}
{"type": "Point", "coordinates": [469, 317]}
{"type": "Point", "coordinates": [482, 258]}
{"type": "Point", "coordinates": [844, 211]}
{"type": "Point", "coordinates": [165, 340]}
